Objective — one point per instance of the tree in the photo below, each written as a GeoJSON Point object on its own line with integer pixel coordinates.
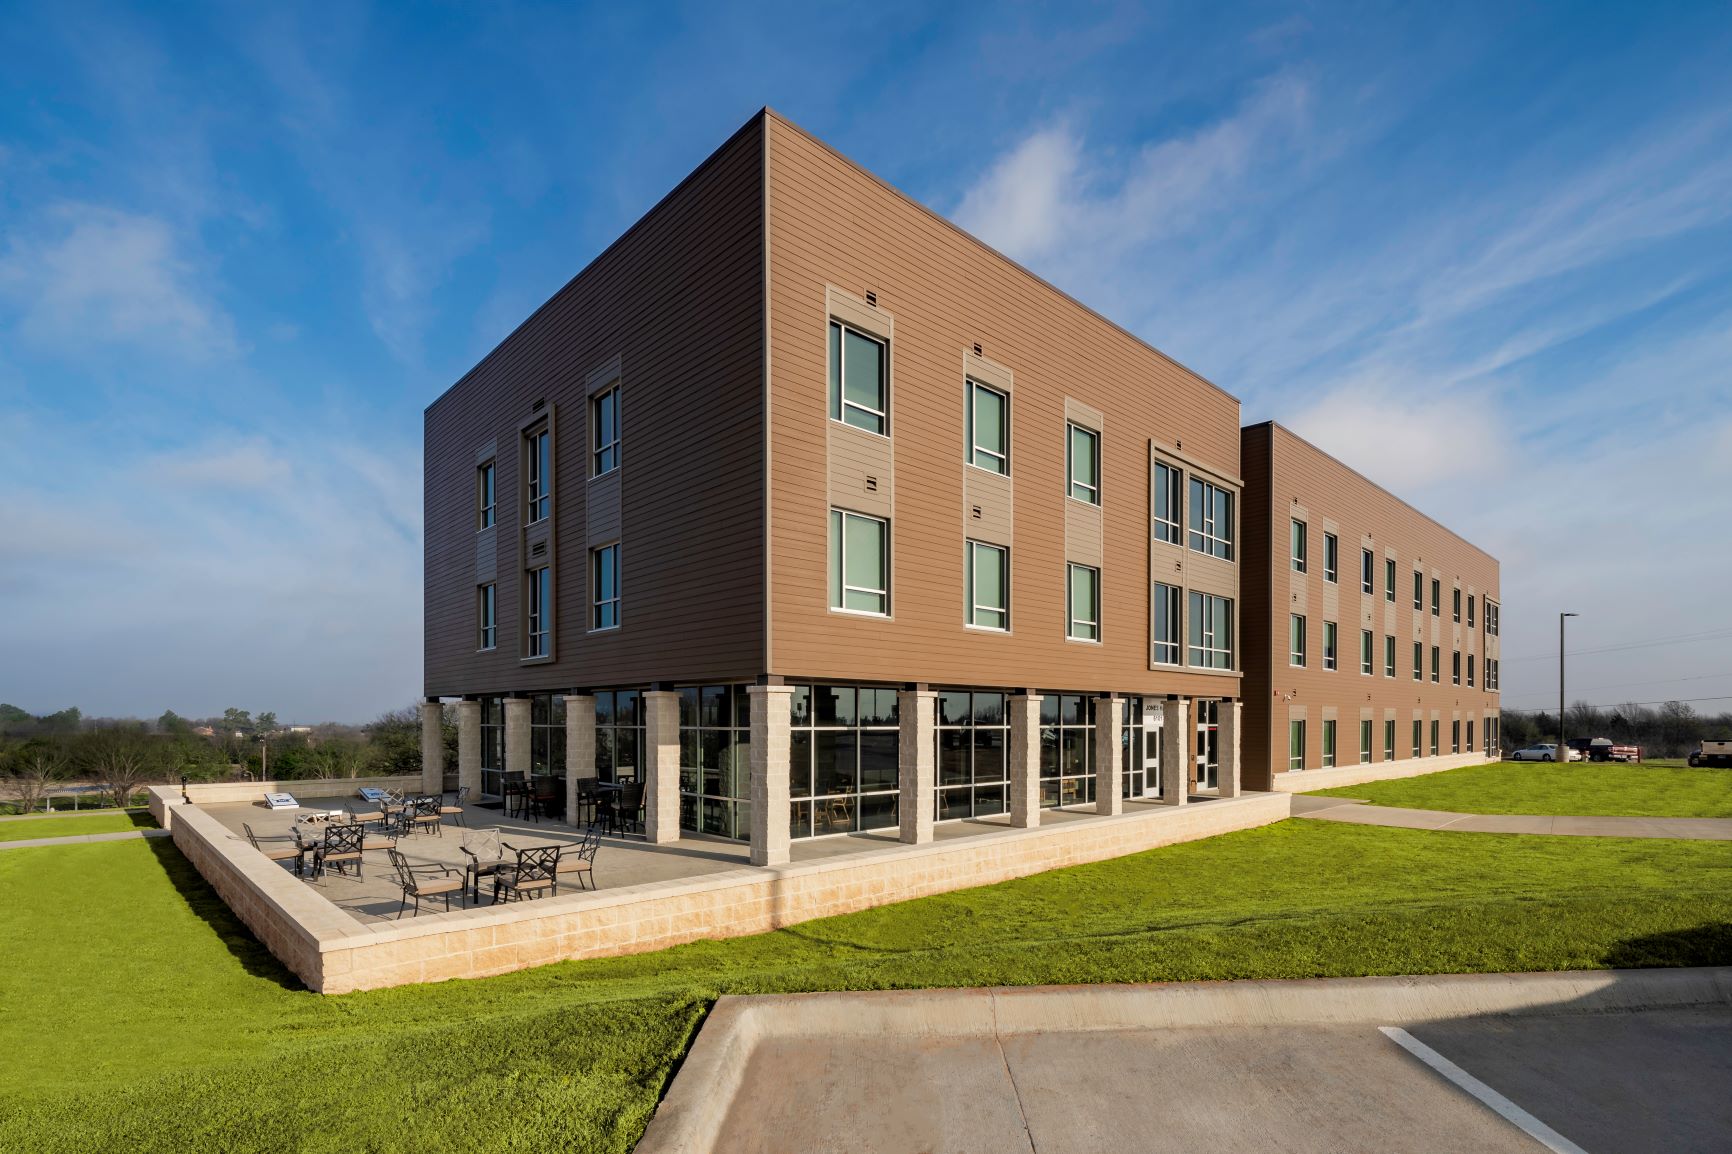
{"type": "Point", "coordinates": [14, 720]}
{"type": "Point", "coordinates": [394, 739]}
{"type": "Point", "coordinates": [172, 722]}
{"type": "Point", "coordinates": [266, 723]}
{"type": "Point", "coordinates": [30, 769]}
{"type": "Point", "coordinates": [120, 758]}
{"type": "Point", "coordinates": [234, 720]}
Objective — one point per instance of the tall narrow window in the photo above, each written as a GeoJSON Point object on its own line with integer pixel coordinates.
{"type": "Point", "coordinates": [1455, 668]}
{"type": "Point", "coordinates": [1418, 749]}
{"type": "Point", "coordinates": [1298, 546]}
{"type": "Point", "coordinates": [988, 428]}
{"type": "Point", "coordinates": [1328, 744]}
{"type": "Point", "coordinates": [604, 438]}
{"type": "Point", "coordinates": [1418, 661]}
{"type": "Point", "coordinates": [1167, 607]}
{"type": "Point", "coordinates": [1331, 557]}
{"type": "Point", "coordinates": [1434, 730]}
{"type": "Point", "coordinates": [604, 587]}
{"type": "Point", "coordinates": [1296, 640]}
{"type": "Point", "coordinates": [1455, 737]}
{"type": "Point", "coordinates": [538, 618]}
{"type": "Point", "coordinates": [1367, 572]}
{"type": "Point", "coordinates": [1083, 451]}
{"type": "Point", "coordinates": [1365, 742]}
{"type": "Point", "coordinates": [1295, 745]}
{"type": "Point", "coordinates": [1436, 664]}
{"type": "Point", "coordinates": [988, 586]}
{"type": "Point", "coordinates": [1367, 652]}
{"type": "Point", "coordinates": [1388, 655]}
{"type": "Point", "coordinates": [858, 394]}
{"type": "Point", "coordinates": [1470, 618]}
{"type": "Point", "coordinates": [859, 563]}
{"type": "Point", "coordinates": [1329, 640]}
{"type": "Point", "coordinates": [1169, 504]}
{"type": "Point", "coordinates": [1389, 580]}
{"type": "Point", "coordinates": [1436, 597]}
{"type": "Point", "coordinates": [1457, 607]}
{"type": "Point", "coordinates": [1211, 519]}
{"type": "Point", "coordinates": [484, 496]}
{"type": "Point", "coordinates": [538, 490]}
{"type": "Point", "coordinates": [1470, 675]}
{"type": "Point", "coordinates": [487, 614]}
{"type": "Point", "coordinates": [1389, 741]}
{"type": "Point", "coordinates": [1418, 589]}
{"type": "Point", "coordinates": [1211, 630]}
{"type": "Point", "coordinates": [1083, 603]}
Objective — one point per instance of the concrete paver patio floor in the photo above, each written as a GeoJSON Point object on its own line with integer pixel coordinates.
{"type": "Point", "coordinates": [1358, 812]}
{"type": "Point", "coordinates": [621, 861]}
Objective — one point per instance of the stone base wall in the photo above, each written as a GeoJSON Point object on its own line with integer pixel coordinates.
{"type": "Point", "coordinates": [333, 953]}
{"type": "Point", "coordinates": [165, 799]}
{"type": "Point", "coordinates": [1305, 780]}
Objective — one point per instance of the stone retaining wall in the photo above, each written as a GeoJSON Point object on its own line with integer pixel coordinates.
{"type": "Point", "coordinates": [1305, 780]}
{"type": "Point", "coordinates": [164, 799]}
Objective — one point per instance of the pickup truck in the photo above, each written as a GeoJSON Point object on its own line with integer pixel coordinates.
{"type": "Point", "coordinates": [1602, 749]}
{"type": "Point", "coordinates": [1713, 753]}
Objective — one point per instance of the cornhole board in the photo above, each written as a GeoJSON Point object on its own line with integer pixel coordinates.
{"type": "Point", "coordinates": [371, 793]}
{"type": "Point", "coordinates": [281, 801]}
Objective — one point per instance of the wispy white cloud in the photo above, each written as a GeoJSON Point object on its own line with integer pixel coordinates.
{"type": "Point", "coordinates": [233, 463]}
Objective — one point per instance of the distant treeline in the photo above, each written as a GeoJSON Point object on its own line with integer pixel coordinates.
{"type": "Point", "coordinates": [39, 753]}
{"type": "Point", "coordinates": [1669, 730]}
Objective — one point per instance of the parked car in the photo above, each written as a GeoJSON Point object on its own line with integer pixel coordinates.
{"type": "Point", "coordinates": [1712, 753]}
{"type": "Point", "coordinates": [1546, 751]}
{"type": "Point", "coordinates": [1603, 749]}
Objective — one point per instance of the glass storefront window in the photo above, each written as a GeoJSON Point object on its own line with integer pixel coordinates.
{"type": "Point", "coordinates": [547, 734]}
{"type": "Point", "coordinates": [1067, 739]}
{"type": "Point", "coordinates": [973, 755]}
{"type": "Point", "coordinates": [716, 760]}
{"type": "Point", "coordinates": [619, 736]}
{"type": "Point", "coordinates": [492, 745]}
{"type": "Point", "coordinates": [843, 759]}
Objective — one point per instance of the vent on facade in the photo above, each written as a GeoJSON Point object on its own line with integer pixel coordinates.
{"type": "Point", "coordinates": [1178, 444]}
{"type": "Point", "coordinates": [539, 549]}
{"type": "Point", "coordinates": [977, 512]}
{"type": "Point", "coordinates": [871, 484]}
{"type": "Point", "coordinates": [538, 405]}
{"type": "Point", "coordinates": [977, 351]}
{"type": "Point", "coordinates": [872, 299]}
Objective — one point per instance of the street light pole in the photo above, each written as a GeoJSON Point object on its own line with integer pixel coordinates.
{"type": "Point", "coordinates": [1563, 741]}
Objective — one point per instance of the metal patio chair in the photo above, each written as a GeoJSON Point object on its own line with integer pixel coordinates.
{"type": "Point", "coordinates": [454, 808]}
{"type": "Point", "coordinates": [425, 881]}
{"type": "Point", "coordinates": [279, 849]}
{"type": "Point", "coordinates": [579, 860]}
{"type": "Point", "coordinates": [340, 849]}
{"type": "Point", "coordinates": [486, 857]}
{"type": "Point", "coordinates": [534, 873]}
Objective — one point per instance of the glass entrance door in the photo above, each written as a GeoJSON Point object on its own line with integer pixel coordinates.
{"type": "Point", "coordinates": [1208, 745]}
{"type": "Point", "coordinates": [1151, 751]}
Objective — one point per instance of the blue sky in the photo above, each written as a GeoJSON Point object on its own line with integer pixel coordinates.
{"type": "Point", "coordinates": [1480, 251]}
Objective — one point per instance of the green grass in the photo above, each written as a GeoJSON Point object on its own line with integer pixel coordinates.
{"type": "Point", "coordinates": [140, 1015]}
{"type": "Point", "coordinates": [1581, 788]}
{"type": "Point", "coordinates": [111, 822]}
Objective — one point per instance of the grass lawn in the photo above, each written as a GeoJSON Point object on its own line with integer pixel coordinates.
{"type": "Point", "coordinates": [140, 1015]}
{"type": "Point", "coordinates": [1581, 788]}
{"type": "Point", "coordinates": [112, 822]}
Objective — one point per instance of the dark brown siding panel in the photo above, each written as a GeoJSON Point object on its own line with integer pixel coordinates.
{"type": "Point", "coordinates": [679, 300]}
{"type": "Point", "coordinates": [1255, 576]}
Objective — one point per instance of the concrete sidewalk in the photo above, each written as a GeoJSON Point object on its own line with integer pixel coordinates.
{"type": "Point", "coordinates": [121, 835]}
{"type": "Point", "coordinates": [1358, 812]}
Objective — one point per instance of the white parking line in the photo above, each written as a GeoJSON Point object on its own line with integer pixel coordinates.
{"type": "Point", "coordinates": [1512, 1113]}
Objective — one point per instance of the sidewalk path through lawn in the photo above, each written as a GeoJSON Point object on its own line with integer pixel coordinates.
{"type": "Point", "coordinates": [1357, 812]}
{"type": "Point", "coordinates": [123, 835]}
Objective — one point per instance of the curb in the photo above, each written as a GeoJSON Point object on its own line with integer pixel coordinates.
{"type": "Point", "coordinates": [699, 1098]}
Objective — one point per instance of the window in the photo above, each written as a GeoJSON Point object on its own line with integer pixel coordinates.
{"type": "Point", "coordinates": [1295, 745]}
{"type": "Point", "coordinates": [1455, 667]}
{"type": "Point", "coordinates": [973, 759]}
{"type": "Point", "coordinates": [1418, 661]}
{"type": "Point", "coordinates": [1296, 640]}
{"type": "Point", "coordinates": [1082, 452]}
{"type": "Point", "coordinates": [857, 385]}
{"type": "Point", "coordinates": [1331, 557]}
{"type": "Point", "coordinates": [1298, 546]}
{"type": "Point", "coordinates": [1208, 711]}
{"type": "Point", "coordinates": [1492, 677]}
{"type": "Point", "coordinates": [538, 601]}
{"type": "Point", "coordinates": [988, 428]}
{"type": "Point", "coordinates": [1211, 631]}
{"type": "Point", "coordinates": [1436, 666]}
{"type": "Point", "coordinates": [1389, 741]}
{"type": "Point", "coordinates": [619, 736]}
{"type": "Point", "coordinates": [1418, 750]}
{"type": "Point", "coordinates": [1468, 745]}
{"type": "Point", "coordinates": [843, 755]}
{"type": "Point", "coordinates": [484, 496]}
{"type": "Point", "coordinates": [1434, 728]}
{"type": "Point", "coordinates": [1367, 652]}
{"type": "Point", "coordinates": [1436, 597]}
{"type": "Point", "coordinates": [1169, 499]}
{"type": "Point", "coordinates": [859, 563]}
{"type": "Point", "coordinates": [1365, 742]}
{"type": "Point", "coordinates": [1470, 619]}
{"type": "Point", "coordinates": [487, 612]}
{"type": "Point", "coordinates": [716, 760]}
{"type": "Point", "coordinates": [1491, 617]}
{"type": "Point", "coordinates": [1388, 655]}
{"type": "Point", "coordinates": [1167, 609]}
{"type": "Point", "coordinates": [1083, 603]}
{"type": "Point", "coordinates": [547, 734]}
{"type": "Point", "coordinates": [1389, 580]}
{"type": "Point", "coordinates": [1328, 744]}
{"type": "Point", "coordinates": [538, 495]}
{"type": "Point", "coordinates": [604, 587]}
{"type": "Point", "coordinates": [988, 586]}
{"type": "Point", "coordinates": [1455, 737]}
{"type": "Point", "coordinates": [1418, 589]}
{"type": "Point", "coordinates": [1367, 572]}
{"type": "Point", "coordinates": [1457, 607]}
{"type": "Point", "coordinates": [1067, 749]}
{"type": "Point", "coordinates": [1329, 647]}
{"type": "Point", "coordinates": [604, 436]}
{"type": "Point", "coordinates": [1470, 675]}
{"type": "Point", "coordinates": [492, 745]}
{"type": "Point", "coordinates": [1211, 520]}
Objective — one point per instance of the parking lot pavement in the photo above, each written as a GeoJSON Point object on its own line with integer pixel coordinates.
{"type": "Point", "coordinates": [1638, 1082]}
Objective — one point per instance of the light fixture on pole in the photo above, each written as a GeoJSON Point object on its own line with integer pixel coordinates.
{"type": "Point", "coordinates": [1563, 742]}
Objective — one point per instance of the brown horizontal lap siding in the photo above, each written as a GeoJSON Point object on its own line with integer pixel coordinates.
{"type": "Point", "coordinates": [679, 299]}
{"type": "Point", "coordinates": [831, 223]}
{"type": "Point", "coordinates": [1254, 586]}
{"type": "Point", "coordinates": [1329, 490]}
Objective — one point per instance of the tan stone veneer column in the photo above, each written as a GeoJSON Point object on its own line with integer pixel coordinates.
{"type": "Point", "coordinates": [432, 747]}
{"type": "Point", "coordinates": [771, 707]}
{"type": "Point", "coordinates": [469, 747]}
{"type": "Point", "coordinates": [517, 736]}
{"type": "Point", "coordinates": [1230, 718]}
{"type": "Point", "coordinates": [917, 713]}
{"type": "Point", "coordinates": [1176, 739]}
{"type": "Point", "coordinates": [1025, 760]}
{"type": "Point", "coordinates": [579, 748]}
{"type": "Point", "coordinates": [1109, 763]}
{"type": "Point", "coordinates": [661, 791]}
